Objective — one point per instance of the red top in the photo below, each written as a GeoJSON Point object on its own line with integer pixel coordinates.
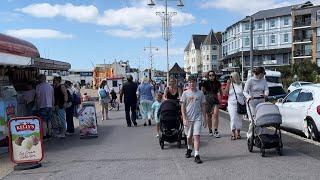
{"type": "Point", "coordinates": [12, 45]}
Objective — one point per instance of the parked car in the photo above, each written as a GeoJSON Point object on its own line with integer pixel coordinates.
{"type": "Point", "coordinates": [296, 85]}
{"type": "Point", "coordinates": [300, 110]}
{"type": "Point", "coordinates": [275, 93]}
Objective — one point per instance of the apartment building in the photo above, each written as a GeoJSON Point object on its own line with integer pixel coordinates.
{"type": "Point", "coordinates": [306, 33]}
{"type": "Point", "coordinates": [272, 39]}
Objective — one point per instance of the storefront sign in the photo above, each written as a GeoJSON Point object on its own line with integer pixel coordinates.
{"type": "Point", "coordinates": [25, 140]}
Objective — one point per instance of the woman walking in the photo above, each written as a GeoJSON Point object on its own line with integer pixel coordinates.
{"type": "Point", "coordinates": [144, 93]}
{"type": "Point", "coordinates": [172, 91]}
{"type": "Point", "coordinates": [212, 89]}
{"type": "Point", "coordinates": [104, 99]}
{"type": "Point", "coordinates": [234, 89]}
{"type": "Point", "coordinates": [255, 87]}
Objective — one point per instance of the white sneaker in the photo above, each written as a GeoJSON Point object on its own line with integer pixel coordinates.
{"type": "Point", "coordinates": [216, 134]}
{"type": "Point", "coordinates": [157, 136]}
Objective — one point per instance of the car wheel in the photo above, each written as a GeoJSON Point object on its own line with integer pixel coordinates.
{"type": "Point", "coordinates": [312, 130]}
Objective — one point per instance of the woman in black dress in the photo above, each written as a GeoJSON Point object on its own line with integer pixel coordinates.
{"type": "Point", "coordinates": [172, 92]}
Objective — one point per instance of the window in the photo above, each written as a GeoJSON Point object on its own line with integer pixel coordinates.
{"type": "Point", "coordinates": [259, 25]}
{"type": "Point", "coordinates": [292, 97]}
{"type": "Point", "coordinates": [286, 21]}
{"type": "Point", "coordinates": [318, 15]}
{"type": "Point", "coordinates": [214, 47]}
{"type": "Point", "coordinates": [114, 83]}
{"type": "Point", "coordinates": [246, 41]}
{"type": "Point", "coordinates": [273, 39]}
{"type": "Point", "coordinates": [259, 40]}
{"type": "Point", "coordinates": [286, 38]}
{"type": "Point", "coordinates": [247, 27]}
{"type": "Point", "coordinates": [208, 68]}
{"type": "Point", "coordinates": [272, 57]}
{"type": "Point", "coordinates": [272, 23]}
{"type": "Point", "coordinates": [207, 57]}
{"type": "Point", "coordinates": [305, 97]}
{"type": "Point", "coordinates": [214, 57]}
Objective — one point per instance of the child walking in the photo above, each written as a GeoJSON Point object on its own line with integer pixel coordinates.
{"type": "Point", "coordinates": [155, 108]}
{"type": "Point", "coordinates": [193, 114]}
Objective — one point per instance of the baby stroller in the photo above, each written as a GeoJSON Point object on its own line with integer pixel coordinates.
{"type": "Point", "coordinates": [267, 115]}
{"type": "Point", "coordinates": [171, 127]}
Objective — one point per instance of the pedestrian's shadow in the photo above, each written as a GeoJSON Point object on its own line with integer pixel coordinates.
{"type": "Point", "coordinates": [74, 141]}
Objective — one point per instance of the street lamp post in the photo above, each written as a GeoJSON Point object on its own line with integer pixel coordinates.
{"type": "Point", "coordinates": [151, 57]}
{"type": "Point", "coordinates": [166, 18]}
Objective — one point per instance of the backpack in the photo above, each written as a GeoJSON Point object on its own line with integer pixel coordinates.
{"type": "Point", "coordinates": [76, 99]}
{"type": "Point", "coordinates": [103, 93]}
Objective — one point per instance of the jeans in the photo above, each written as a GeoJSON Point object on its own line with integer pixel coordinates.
{"type": "Point", "coordinates": [46, 116]}
{"type": "Point", "coordinates": [59, 125]}
{"type": "Point", "coordinates": [133, 107]}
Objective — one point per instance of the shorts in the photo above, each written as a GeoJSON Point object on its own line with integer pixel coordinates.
{"type": "Point", "coordinates": [104, 101]}
{"type": "Point", "coordinates": [211, 102]}
{"type": "Point", "coordinates": [194, 128]}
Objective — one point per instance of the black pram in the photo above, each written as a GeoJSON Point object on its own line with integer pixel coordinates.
{"type": "Point", "coordinates": [171, 126]}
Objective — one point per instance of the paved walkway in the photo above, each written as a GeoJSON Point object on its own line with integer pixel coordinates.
{"type": "Point", "coordinates": [134, 153]}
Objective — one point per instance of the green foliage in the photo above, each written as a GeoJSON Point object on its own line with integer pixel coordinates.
{"type": "Point", "coordinates": [305, 71]}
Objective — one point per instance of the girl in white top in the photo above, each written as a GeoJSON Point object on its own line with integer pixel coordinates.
{"type": "Point", "coordinates": [235, 85]}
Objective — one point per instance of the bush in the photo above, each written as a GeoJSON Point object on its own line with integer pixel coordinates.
{"type": "Point", "coordinates": [305, 71]}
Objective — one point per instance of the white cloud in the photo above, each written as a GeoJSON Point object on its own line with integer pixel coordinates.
{"type": "Point", "coordinates": [45, 10]}
{"type": "Point", "coordinates": [203, 21]}
{"type": "Point", "coordinates": [246, 7]}
{"type": "Point", "coordinates": [133, 33]}
{"type": "Point", "coordinates": [138, 17]}
{"type": "Point", "coordinates": [38, 34]}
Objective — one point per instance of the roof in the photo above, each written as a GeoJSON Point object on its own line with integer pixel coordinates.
{"type": "Point", "coordinates": [12, 45]}
{"type": "Point", "coordinates": [212, 39]}
{"type": "Point", "coordinates": [198, 40]}
{"type": "Point", "coordinates": [176, 69]}
{"type": "Point", "coordinates": [270, 13]}
{"type": "Point", "coordinates": [188, 46]}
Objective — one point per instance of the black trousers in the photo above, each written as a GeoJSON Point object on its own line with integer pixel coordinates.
{"type": "Point", "coordinates": [69, 119]}
{"type": "Point", "coordinates": [131, 106]}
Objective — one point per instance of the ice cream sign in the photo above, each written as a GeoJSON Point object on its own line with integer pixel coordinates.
{"type": "Point", "coordinates": [26, 145]}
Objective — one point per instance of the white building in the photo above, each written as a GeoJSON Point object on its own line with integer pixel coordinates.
{"type": "Point", "coordinates": [203, 53]}
{"type": "Point", "coordinates": [272, 39]}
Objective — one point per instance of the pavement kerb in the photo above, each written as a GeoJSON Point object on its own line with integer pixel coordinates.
{"type": "Point", "coordinates": [225, 115]}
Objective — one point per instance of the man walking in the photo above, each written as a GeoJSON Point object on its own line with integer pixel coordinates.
{"type": "Point", "coordinates": [45, 103]}
{"type": "Point", "coordinates": [129, 90]}
{"type": "Point", "coordinates": [193, 114]}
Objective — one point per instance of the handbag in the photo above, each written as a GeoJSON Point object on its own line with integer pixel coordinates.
{"type": "Point", "coordinates": [241, 108]}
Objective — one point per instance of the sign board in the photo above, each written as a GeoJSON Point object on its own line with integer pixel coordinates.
{"type": "Point", "coordinates": [25, 140]}
{"type": "Point", "coordinates": [8, 110]}
{"type": "Point", "coordinates": [88, 120]}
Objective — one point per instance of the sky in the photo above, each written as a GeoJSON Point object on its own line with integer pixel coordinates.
{"type": "Point", "coordinates": [87, 32]}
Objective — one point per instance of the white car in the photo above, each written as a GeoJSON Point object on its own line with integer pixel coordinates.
{"type": "Point", "coordinates": [300, 110]}
{"type": "Point", "coordinates": [296, 85]}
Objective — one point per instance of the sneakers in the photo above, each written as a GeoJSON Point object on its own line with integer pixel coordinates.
{"type": "Point", "coordinates": [197, 159]}
{"type": "Point", "coordinates": [210, 132]}
{"type": "Point", "coordinates": [157, 136]}
{"type": "Point", "coordinates": [188, 154]}
{"type": "Point", "coordinates": [216, 134]}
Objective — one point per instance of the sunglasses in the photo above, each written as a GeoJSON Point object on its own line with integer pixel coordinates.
{"type": "Point", "coordinates": [212, 75]}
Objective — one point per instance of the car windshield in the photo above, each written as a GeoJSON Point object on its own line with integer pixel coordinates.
{"type": "Point", "coordinates": [305, 83]}
{"type": "Point", "coordinates": [276, 90]}
{"type": "Point", "coordinates": [273, 79]}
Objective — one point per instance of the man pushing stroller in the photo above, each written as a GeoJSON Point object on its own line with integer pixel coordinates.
{"type": "Point", "coordinates": [193, 113]}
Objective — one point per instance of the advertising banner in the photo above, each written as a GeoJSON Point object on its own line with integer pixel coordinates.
{"type": "Point", "coordinates": [25, 140]}
{"type": "Point", "coordinates": [88, 120]}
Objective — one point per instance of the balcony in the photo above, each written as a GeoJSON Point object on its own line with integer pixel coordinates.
{"type": "Point", "coordinates": [303, 21]}
{"type": "Point", "coordinates": [302, 40]}
{"type": "Point", "coordinates": [302, 53]}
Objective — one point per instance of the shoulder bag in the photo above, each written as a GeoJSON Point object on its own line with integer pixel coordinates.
{"type": "Point", "coordinates": [241, 108]}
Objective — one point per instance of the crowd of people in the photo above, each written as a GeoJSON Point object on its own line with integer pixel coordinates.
{"type": "Point", "coordinates": [199, 103]}
{"type": "Point", "coordinates": [56, 104]}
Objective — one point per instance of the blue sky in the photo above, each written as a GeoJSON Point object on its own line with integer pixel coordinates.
{"type": "Point", "coordinates": [81, 31]}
